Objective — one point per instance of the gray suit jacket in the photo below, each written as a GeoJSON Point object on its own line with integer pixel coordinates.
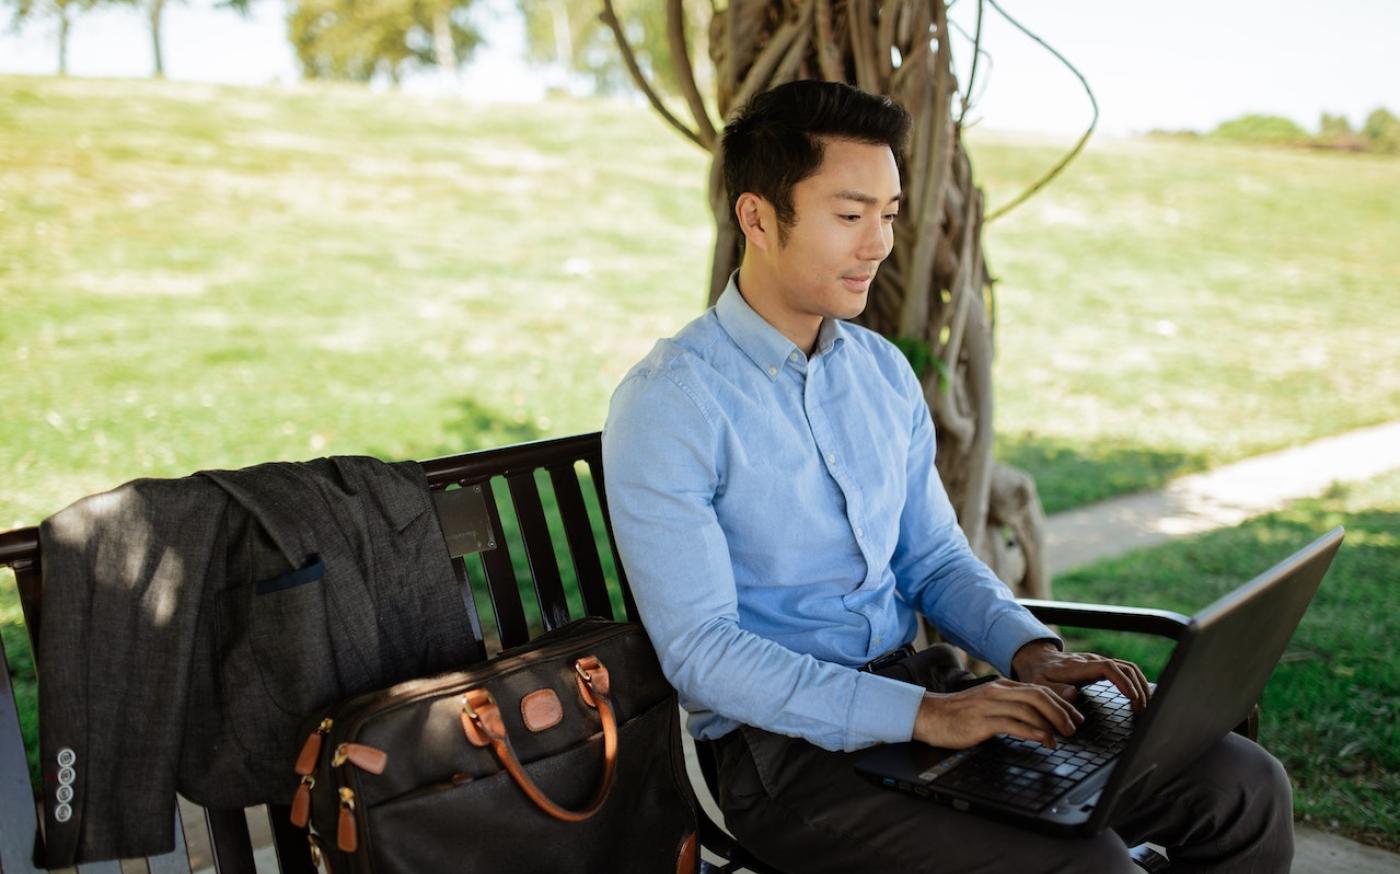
{"type": "Point", "coordinates": [190, 627]}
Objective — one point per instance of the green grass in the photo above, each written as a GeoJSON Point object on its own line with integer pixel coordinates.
{"type": "Point", "coordinates": [197, 276]}
{"type": "Point", "coordinates": [1331, 711]}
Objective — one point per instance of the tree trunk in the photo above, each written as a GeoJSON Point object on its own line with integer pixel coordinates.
{"type": "Point", "coordinates": [154, 12]}
{"type": "Point", "coordinates": [63, 25]}
{"type": "Point", "coordinates": [446, 56]}
{"type": "Point", "coordinates": [935, 291]}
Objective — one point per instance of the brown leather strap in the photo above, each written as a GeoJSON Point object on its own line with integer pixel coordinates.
{"type": "Point", "coordinates": [481, 722]}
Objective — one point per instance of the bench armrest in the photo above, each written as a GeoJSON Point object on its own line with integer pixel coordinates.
{"type": "Point", "coordinates": [1140, 620]}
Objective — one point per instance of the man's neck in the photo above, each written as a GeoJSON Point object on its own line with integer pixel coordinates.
{"type": "Point", "coordinates": [760, 291]}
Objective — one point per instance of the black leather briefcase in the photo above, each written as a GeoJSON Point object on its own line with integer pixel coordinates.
{"type": "Point", "coordinates": [561, 755]}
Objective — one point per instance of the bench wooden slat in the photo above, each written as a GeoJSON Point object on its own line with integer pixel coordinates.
{"type": "Point", "coordinates": [459, 569]}
{"type": "Point", "coordinates": [177, 861]}
{"type": "Point", "coordinates": [112, 867]}
{"type": "Point", "coordinates": [500, 580]}
{"type": "Point", "coordinates": [293, 851]}
{"type": "Point", "coordinates": [595, 467]}
{"type": "Point", "coordinates": [17, 812]}
{"type": "Point", "coordinates": [229, 842]}
{"type": "Point", "coordinates": [539, 548]}
{"type": "Point", "coordinates": [21, 820]}
{"type": "Point", "coordinates": [583, 548]}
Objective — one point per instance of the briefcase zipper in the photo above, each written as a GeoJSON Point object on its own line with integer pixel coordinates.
{"type": "Point", "coordinates": [374, 704]}
{"type": "Point", "coordinates": [307, 761]}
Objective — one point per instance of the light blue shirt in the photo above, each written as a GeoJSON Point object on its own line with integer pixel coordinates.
{"type": "Point", "coordinates": [780, 520]}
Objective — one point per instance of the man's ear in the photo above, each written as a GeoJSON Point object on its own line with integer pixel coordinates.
{"type": "Point", "coordinates": [757, 220]}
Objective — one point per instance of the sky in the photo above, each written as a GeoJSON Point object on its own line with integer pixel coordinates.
{"type": "Point", "coordinates": [1184, 65]}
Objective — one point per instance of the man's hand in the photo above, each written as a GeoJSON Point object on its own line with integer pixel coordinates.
{"type": "Point", "coordinates": [958, 720]}
{"type": "Point", "coordinates": [1042, 663]}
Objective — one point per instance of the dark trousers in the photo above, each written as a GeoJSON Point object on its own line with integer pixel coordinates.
{"type": "Point", "coordinates": [803, 810]}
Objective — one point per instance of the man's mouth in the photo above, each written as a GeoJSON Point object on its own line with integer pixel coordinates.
{"type": "Point", "coordinates": [858, 283]}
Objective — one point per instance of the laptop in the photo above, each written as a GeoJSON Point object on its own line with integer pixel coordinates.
{"type": "Point", "coordinates": [1215, 675]}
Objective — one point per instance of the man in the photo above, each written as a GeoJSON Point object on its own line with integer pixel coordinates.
{"type": "Point", "coordinates": [774, 497]}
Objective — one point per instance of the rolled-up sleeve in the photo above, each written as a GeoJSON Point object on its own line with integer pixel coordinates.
{"type": "Point", "coordinates": [662, 451]}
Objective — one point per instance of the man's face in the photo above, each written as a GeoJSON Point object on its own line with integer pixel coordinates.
{"type": "Point", "coordinates": [844, 228]}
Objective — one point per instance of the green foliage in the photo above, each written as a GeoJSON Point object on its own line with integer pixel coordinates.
{"type": "Point", "coordinates": [1331, 712]}
{"type": "Point", "coordinates": [359, 39]}
{"type": "Point", "coordinates": [1270, 129]}
{"type": "Point", "coordinates": [921, 357]}
{"type": "Point", "coordinates": [1334, 125]}
{"type": "Point", "coordinates": [570, 32]}
{"type": "Point", "coordinates": [1382, 129]}
{"type": "Point", "coordinates": [1379, 135]}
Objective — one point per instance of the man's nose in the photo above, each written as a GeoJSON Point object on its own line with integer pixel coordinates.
{"type": "Point", "coordinates": [875, 243]}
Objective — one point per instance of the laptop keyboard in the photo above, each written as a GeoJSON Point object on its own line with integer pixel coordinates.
{"type": "Point", "coordinates": [1027, 775]}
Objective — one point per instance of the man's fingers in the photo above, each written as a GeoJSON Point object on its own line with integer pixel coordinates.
{"type": "Point", "coordinates": [1050, 708]}
{"type": "Point", "coordinates": [1019, 729]}
{"type": "Point", "coordinates": [1139, 678]}
{"type": "Point", "coordinates": [1115, 673]}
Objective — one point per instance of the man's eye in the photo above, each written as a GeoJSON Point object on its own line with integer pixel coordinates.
{"type": "Point", "coordinates": [890, 216]}
{"type": "Point", "coordinates": [851, 217]}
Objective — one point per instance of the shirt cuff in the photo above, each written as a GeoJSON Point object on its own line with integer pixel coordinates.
{"type": "Point", "coordinates": [882, 711]}
{"type": "Point", "coordinates": [1011, 632]}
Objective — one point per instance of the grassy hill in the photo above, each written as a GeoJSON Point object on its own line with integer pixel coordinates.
{"type": "Point", "coordinates": [197, 276]}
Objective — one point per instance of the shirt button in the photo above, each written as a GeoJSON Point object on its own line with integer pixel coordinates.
{"type": "Point", "coordinates": [772, 371]}
{"type": "Point", "coordinates": [831, 458]}
{"type": "Point", "coordinates": [860, 532]}
{"type": "Point", "coordinates": [793, 356]}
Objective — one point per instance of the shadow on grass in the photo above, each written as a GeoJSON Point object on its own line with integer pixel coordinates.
{"type": "Point", "coordinates": [467, 427]}
{"type": "Point", "coordinates": [1331, 711]}
{"type": "Point", "coordinates": [1069, 475]}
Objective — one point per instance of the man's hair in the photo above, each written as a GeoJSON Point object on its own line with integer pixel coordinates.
{"type": "Point", "coordinates": [774, 141]}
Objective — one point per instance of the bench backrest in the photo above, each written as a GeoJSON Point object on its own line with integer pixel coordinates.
{"type": "Point", "coordinates": [531, 541]}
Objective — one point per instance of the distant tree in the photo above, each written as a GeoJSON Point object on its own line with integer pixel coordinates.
{"type": "Point", "coordinates": [1274, 129]}
{"type": "Point", "coordinates": [357, 39]}
{"type": "Point", "coordinates": [62, 10]}
{"type": "Point", "coordinates": [1334, 126]}
{"type": "Point", "coordinates": [1382, 129]}
{"type": "Point", "coordinates": [571, 34]}
{"type": "Point", "coordinates": [1335, 132]}
{"type": "Point", "coordinates": [155, 12]}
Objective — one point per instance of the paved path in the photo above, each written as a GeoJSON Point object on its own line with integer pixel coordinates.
{"type": "Point", "coordinates": [1219, 498]}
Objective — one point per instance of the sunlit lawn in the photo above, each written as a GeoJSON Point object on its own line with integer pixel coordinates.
{"type": "Point", "coordinates": [195, 276]}
{"type": "Point", "coordinates": [1331, 712]}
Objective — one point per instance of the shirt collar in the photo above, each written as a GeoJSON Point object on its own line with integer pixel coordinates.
{"type": "Point", "coordinates": [764, 344]}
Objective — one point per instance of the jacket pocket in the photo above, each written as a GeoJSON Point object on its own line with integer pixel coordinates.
{"type": "Point", "coordinates": [276, 662]}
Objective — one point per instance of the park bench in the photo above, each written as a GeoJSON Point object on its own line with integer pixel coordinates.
{"type": "Point", "coordinates": [529, 559]}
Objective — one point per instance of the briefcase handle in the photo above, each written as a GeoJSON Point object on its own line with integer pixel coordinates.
{"type": "Point", "coordinates": [482, 724]}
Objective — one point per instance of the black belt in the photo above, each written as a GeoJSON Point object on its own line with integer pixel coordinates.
{"type": "Point", "coordinates": [889, 658]}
